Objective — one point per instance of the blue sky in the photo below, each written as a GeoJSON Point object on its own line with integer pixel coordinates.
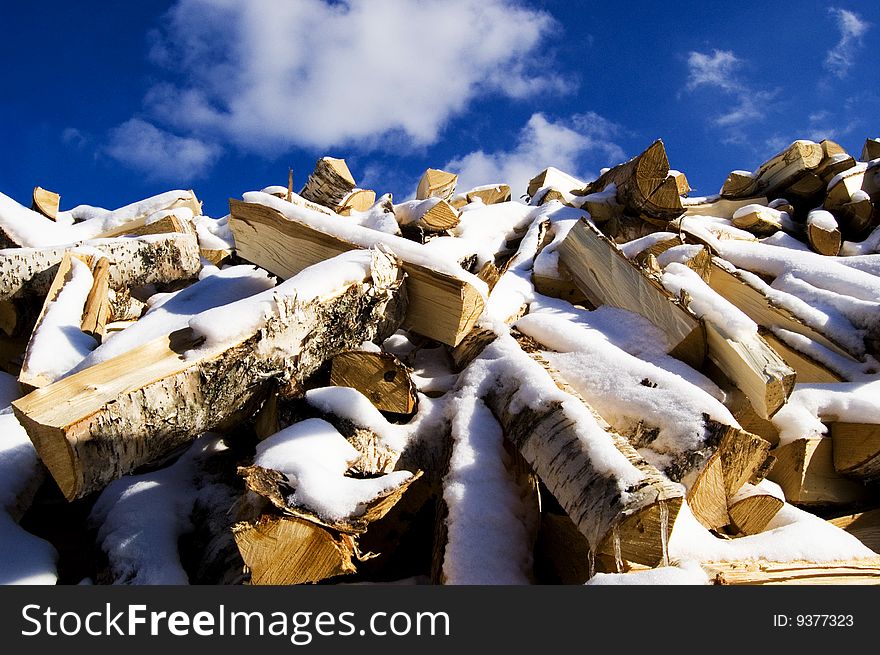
{"type": "Point", "coordinates": [107, 103]}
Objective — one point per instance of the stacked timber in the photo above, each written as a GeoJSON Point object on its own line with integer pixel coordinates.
{"type": "Point", "coordinates": [492, 385]}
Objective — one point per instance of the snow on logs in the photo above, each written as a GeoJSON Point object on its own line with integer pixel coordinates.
{"type": "Point", "coordinates": [284, 238]}
{"type": "Point", "coordinates": [104, 421]}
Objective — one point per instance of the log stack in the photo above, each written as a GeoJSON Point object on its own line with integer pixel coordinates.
{"type": "Point", "coordinates": [395, 368]}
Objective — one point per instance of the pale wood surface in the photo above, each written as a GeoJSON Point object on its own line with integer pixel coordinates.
{"type": "Point", "coordinates": [441, 307]}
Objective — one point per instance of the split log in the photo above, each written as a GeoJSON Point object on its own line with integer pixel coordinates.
{"type": "Point", "coordinates": [856, 218]}
{"type": "Point", "coordinates": [289, 544]}
{"type": "Point", "coordinates": [757, 219]}
{"type": "Point", "coordinates": [606, 277]}
{"type": "Point", "coordinates": [780, 171]}
{"type": "Point", "coordinates": [806, 368]}
{"type": "Point", "coordinates": [435, 183]}
{"type": "Point", "coordinates": [681, 182]}
{"type": "Point", "coordinates": [718, 206]}
{"type": "Point", "coordinates": [553, 178]}
{"type": "Point", "coordinates": [864, 526]}
{"type": "Point", "coordinates": [823, 233]}
{"type": "Point", "coordinates": [167, 224]}
{"type": "Point", "coordinates": [90, 317]}
{"type": "Point", "coordinates": [124, 306]}
{"type": "Point", "coordinates": [752, 508]}
{"type": "Point", "coordinates": [643, 184]}
{"type": "Point", "coordinates": [489, 194]}
{"type": "Point", "coordinates": [46, 202]}
{"type": "Point", "coordinates": [329, 183]}
{"type": "Point", "coordinates": [381, 377]}
{"type": "Point", "coordinates": [359, 200]}
{"type": "Point", "coordinates": [805, 471]}
{"type": "Point", "coordinates": [727, 282]}
{"type": "Point", "coordinates": [856, 450]}
{"type": "Point", "coordinates": [441, 306]}
{"type": "Point", "coordinates": [430, 216]}
{"type": "Point", "coordinates": [871, 150]}
{"type": "Point", "coordinates": [557, 439]}
{"type": "Point", "coordinates": [751, 572]}
{"type": "Point", "coordinates": [133, 262]}
{"type": "Point", "coordinates": [102, 422]}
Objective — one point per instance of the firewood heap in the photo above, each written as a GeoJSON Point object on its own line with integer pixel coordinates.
{"type": "Point", "coordinates": [605, 377]}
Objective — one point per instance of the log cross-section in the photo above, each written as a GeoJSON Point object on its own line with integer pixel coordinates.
{"type": "Point", "coordinates": [102, 422]}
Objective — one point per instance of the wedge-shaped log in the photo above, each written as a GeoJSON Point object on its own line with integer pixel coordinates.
{"type": "Point", "coordinates": [606, 277]}
{"type": "Point", "coordinates": [290, 544]}
{"type": "Point", "coordinates": [806, 368]}
{"type": "Point", "coordinates": [90, 317]}
{"type": "Point", "coordinates": [489, 194]}
{"type": "Point", "coordinates": [139, 227]}
{"type": "Point", "coordinates": [46, 202]}
{"type": "Point", "coordinates": [555, 179]}
{"type": "Point", "coordinates": [856, 450]}
{"type": "Point", "coordinates": [778, 172]}
{"type": "Point", "coordinates": [96, 425]}
{"type": "Point", "coordinates": [442, 305]}
{"type": "Point", "coordinates": [381, 377]}
{"type": "Point", "coordinates": [133, 262]}
{"type": "Point", "coordinates": [823, 233]}
{"type": "Point", "coordinates": [435, 183]}
{"type": "Point", "coordinates": [752, 508]}
{"type": "Point", "coordinates": [644, 186]}
{"type": "Point", "coordinates": [718, 206]}
{"type": "Point", "coordinates": [329, 183]}
{"type": "Point", "coordinates": [627, 506]}
{"type": "Point", "coordinates": [805, 471]}
{"type": "Point", "coordinates": [871, 150]}
{"type": "Point", "coordinates": [727, 282]}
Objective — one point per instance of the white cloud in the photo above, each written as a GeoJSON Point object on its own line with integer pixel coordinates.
{"type": "Point", "coordinates": [271, 74]}
{"type": "Point", "coordinates": [567, 145]}
{"type": "Point", "coordinates": [161, 155]}
{"type": "Point", "coordinates": [70, 136]}
{"type": "Point", "coordinates": [841, 57]}
{"type": "Point", "coordinates": [721, 70]}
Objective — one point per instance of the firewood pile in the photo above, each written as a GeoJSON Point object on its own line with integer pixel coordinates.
{"type": "Point", "coordinates": [596, 381]}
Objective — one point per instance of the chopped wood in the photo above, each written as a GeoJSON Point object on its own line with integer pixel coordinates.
{"type": "Point", "coordinates": [752, 509]}
{"type": "Point", "coordinates": [290, 544]}
{"type": "Point", "coordinates": [471, 346]}
{"type": "Point", "coordinates": [133, 262]}
{"type": "Point", "coordinates": [46, 202]}
{"type": "Point", "coordinates": [871, 150]}
{"type": "Point", "coordinates": [823, 233]}
{"type": "Point", "coordinates": [429, 216]}
{"type": "Point", "coordinates": [124, 306]}
{"type": "Point", "coordinates": [751, 572]}
{"type": "Point", "coordinates": [857, 218]}
{"type": "Point", "coordinates": [806, 368]}
{"type": "Point", "coordinates": [760, 221]}
{"type": "Point", "coordinates": [606, 277]}
{"type": "Point", "coordinates": [732, 286]}
{"type": "Point", "coordinates": [381, 377]}
{"type": "Point", "coordinates": [644, 186]}
{"type": "Point", "coordinates": [490, 195]}
{"type": "Point", "coordinates": [435, 183]}
{"type": "Point", "coordinates": [359, 200]}
{"type": "Point", "coordinates": [329, 183]}
{"type": "Point", "coordinates": [92, 316]}
{"type": "Point", "coordinates": [100, 423]}
{"type": "Point", "coordinates": [778, 172]}
{"type": "Point", "coordinates": [719, 207]}
{"type": "Point", "coordinates": [440, 306]}
{"type": "Point", "coordinates": [805, 471]}
{"type": "Point", "coordinates": [864, 526]}
{"type": "Point", "coordinates": [97, 307]}
{"type": "Point", "coordinates": [613, 516]}
{"type": "Point", "coordinates": [285, 550]}
{"type": "Point", "coordinates": [553, 178]}
{"type": "Point", "coordinates": [681, 182]}
{"type": "Point", "coordinates": [140, 226]}
{"type": "Point", "coordinates": [856, 449]}
{"type": "Point", "coordinates": [754, 367]}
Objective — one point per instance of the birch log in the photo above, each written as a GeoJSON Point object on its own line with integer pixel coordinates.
{"type": "Point", "coordinates": [106, 420]}
{"type": "Point", "coordinates": [133, 262]}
